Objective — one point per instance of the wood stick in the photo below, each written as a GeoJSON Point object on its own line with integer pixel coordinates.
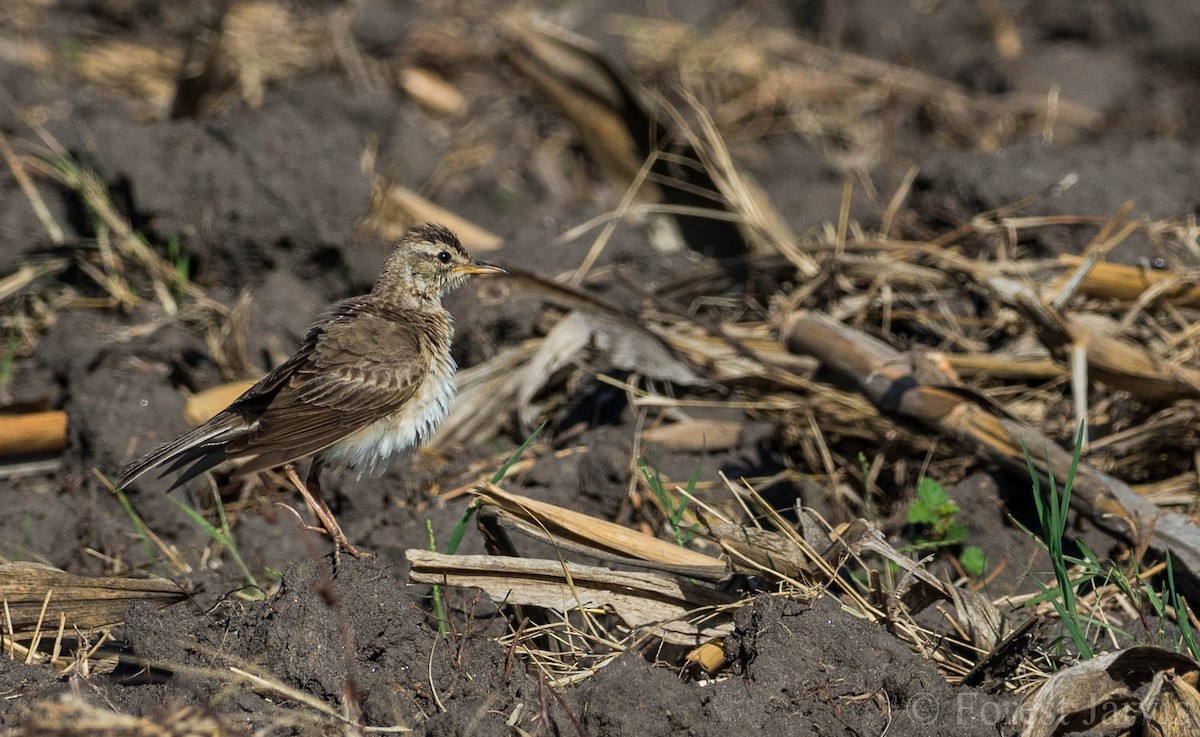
{"type": "Point", "coordinates": [34, 432]}
{"type": "Point", "coordinates": [1126, 283]}
{"type": "Point", "coordinates": [1002, 368]}
{"type": "Point", "coordinates": [885, 377]}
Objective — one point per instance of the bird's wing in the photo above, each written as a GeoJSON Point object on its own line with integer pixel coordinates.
{"type": "Point", "coordinates": [360, 367]}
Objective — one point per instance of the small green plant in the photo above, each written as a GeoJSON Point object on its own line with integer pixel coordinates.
{"type": "Point", "coordinates": [6, 361]}
{"type": "Point", "coordinates": [934, 514]}
{"type": "Point", "coordinates": [1182, 612]}
{"type": "Point", "coordinates": [1052, 516]}
{"type": "Point", "coordinates": [116, 240]}
{"type": "Point", "coordinates": [70, 48]}
{"type": "Point", "coordinates": [864, 466]}
{"type": "Point", "coordinates": [178, 259]}
{"type": "Point", "coordinates": [439, 606]}
{"type": "Point", "coordinates": [1142, 594]}
{"type": "Point", "coordinates": [1157, 600]}
{"type": "Point", "coordinates": [674, 508]}
{"type": "Point", "coordinates": [502, 198]}
{"type": "Point", "coordinates": [461, 528]}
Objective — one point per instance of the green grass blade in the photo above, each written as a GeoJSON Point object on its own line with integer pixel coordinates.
{"type": "Point", "coordinates": [460, 529]}
{"type": "Point", "coordinates": [516, 456]}
{"type": "Point", "coordinates": [439, 607]}
{"type": "Point", "coordinates": [1052, 512]}
{"type": "Point", "coordinates": [1182, 620]}
{"type": "Point", "coordinates": [222, 536]}
{"type": "Point", "coordinates": [142, 531]}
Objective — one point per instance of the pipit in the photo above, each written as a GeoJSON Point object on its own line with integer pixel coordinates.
{"type": "Point", "coordinates": [372, 378]}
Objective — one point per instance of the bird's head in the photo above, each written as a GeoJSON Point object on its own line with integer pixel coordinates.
{"type": "Point", "coordinates": [428, 261]}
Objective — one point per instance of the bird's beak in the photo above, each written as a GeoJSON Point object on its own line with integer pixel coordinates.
{"type": "Point", "coordinates": [478, 267]}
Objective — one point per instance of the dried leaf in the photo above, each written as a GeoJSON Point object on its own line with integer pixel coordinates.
{"type": "Point", "coordinates": [1096, 693]}
{"type": "Point", "coordinates": [883, 376]}
{"type": "Point", "coordinates": [1171, 707]}
{"type": "Point", "coordinates": [140, 71]}
{"type": "Point", "coordinates": [1118, 281]}
{"type": "Point", "coordinates": [573, 73]}
{"type": "Point", "coordinates": [565, 340]}
{"type": "Point", "coordinates": [919, 588]}
{"type": "Point", "coordinates": [696, 436]}
{"type": "Point", "coordinates": [662, 603]}
{"type": "Point", "coordinates": [633, 348]}
{"type": "Point", "coordinates": [621, 130]}
{"type": "Point", "coordinates": [432, 92]}
{"type": "Point", "coordinates": [627, 346]}
{"type": "Point", "coordinates": [604, 537]}
{"type": "Point", "coordinates": [203, 405]}
{"type": "Point", "coordinates": [401, 208]}
{"type": "Point", "coordinates": [771, 550]}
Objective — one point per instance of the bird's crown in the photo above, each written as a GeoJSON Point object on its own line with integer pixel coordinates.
{"type": "Point", "coordinates": [428, 261]}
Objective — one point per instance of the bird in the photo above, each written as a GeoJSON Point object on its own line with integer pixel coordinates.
{"type": "Point", "coordinates": [372, 378]}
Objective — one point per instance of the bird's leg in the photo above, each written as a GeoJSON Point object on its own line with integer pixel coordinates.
{"type": "Point", "coordinates": [311, 491]}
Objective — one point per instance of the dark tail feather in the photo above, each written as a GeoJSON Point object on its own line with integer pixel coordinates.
{"type": "Point", "coordinates": [184, 457]}
{"type": "Point", "coordinates": [204, 443]}
{"type": "Point", "coordinates": [213, 457]}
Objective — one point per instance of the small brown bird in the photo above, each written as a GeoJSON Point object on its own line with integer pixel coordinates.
{"type": "Point", "coordinates": [372, 378]}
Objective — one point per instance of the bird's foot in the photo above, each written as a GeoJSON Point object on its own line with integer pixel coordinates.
{"type": "Point", "coordinates": [340, 541]}
{"type": "Point", "coordinates": [329, 524]}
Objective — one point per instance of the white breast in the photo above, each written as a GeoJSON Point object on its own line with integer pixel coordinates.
{"type": "Point", "coordinates": [370, 450]}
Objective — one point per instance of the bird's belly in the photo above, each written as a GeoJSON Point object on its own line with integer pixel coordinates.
{"type": "Point", "coordinates": [370, 450]}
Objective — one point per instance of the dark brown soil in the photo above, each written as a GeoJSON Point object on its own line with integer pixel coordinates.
{"type": "Point", "coordinates": [266, 199]}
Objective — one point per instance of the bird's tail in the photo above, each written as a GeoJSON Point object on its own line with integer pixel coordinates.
{"type": "Point", "coordinates": [198, 450]}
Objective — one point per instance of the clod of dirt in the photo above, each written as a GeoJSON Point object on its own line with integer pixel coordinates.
{"type": "Point", "coordinates": [800, 668]}
{"type": "Point", "coordinates": [603, 471]}
{"type": "Point", "coordinates": [1161, 173]}
{"type": "Point", "coordinates": [816, 666]}
{"type": "Point", "coordinates": [17, 679]}
{"type": "Point", "coordinates": [253, 187]}
{"type": "Point", "coordinates": [380, 27]}
{"type": "Point", "coordinates": [355, 635]}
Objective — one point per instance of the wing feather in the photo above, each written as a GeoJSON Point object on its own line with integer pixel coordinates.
{"type": "Point", "coordinates": [357, 372]}
{"type": "Point", "coordinates": [360, 362]}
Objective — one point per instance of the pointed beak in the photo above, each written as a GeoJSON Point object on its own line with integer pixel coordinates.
{"type": "Point", "coordinates": [478, 267]}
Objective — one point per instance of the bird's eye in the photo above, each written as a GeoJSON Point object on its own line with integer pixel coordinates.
{"type": "Point", "coordinates": [444, 257]}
